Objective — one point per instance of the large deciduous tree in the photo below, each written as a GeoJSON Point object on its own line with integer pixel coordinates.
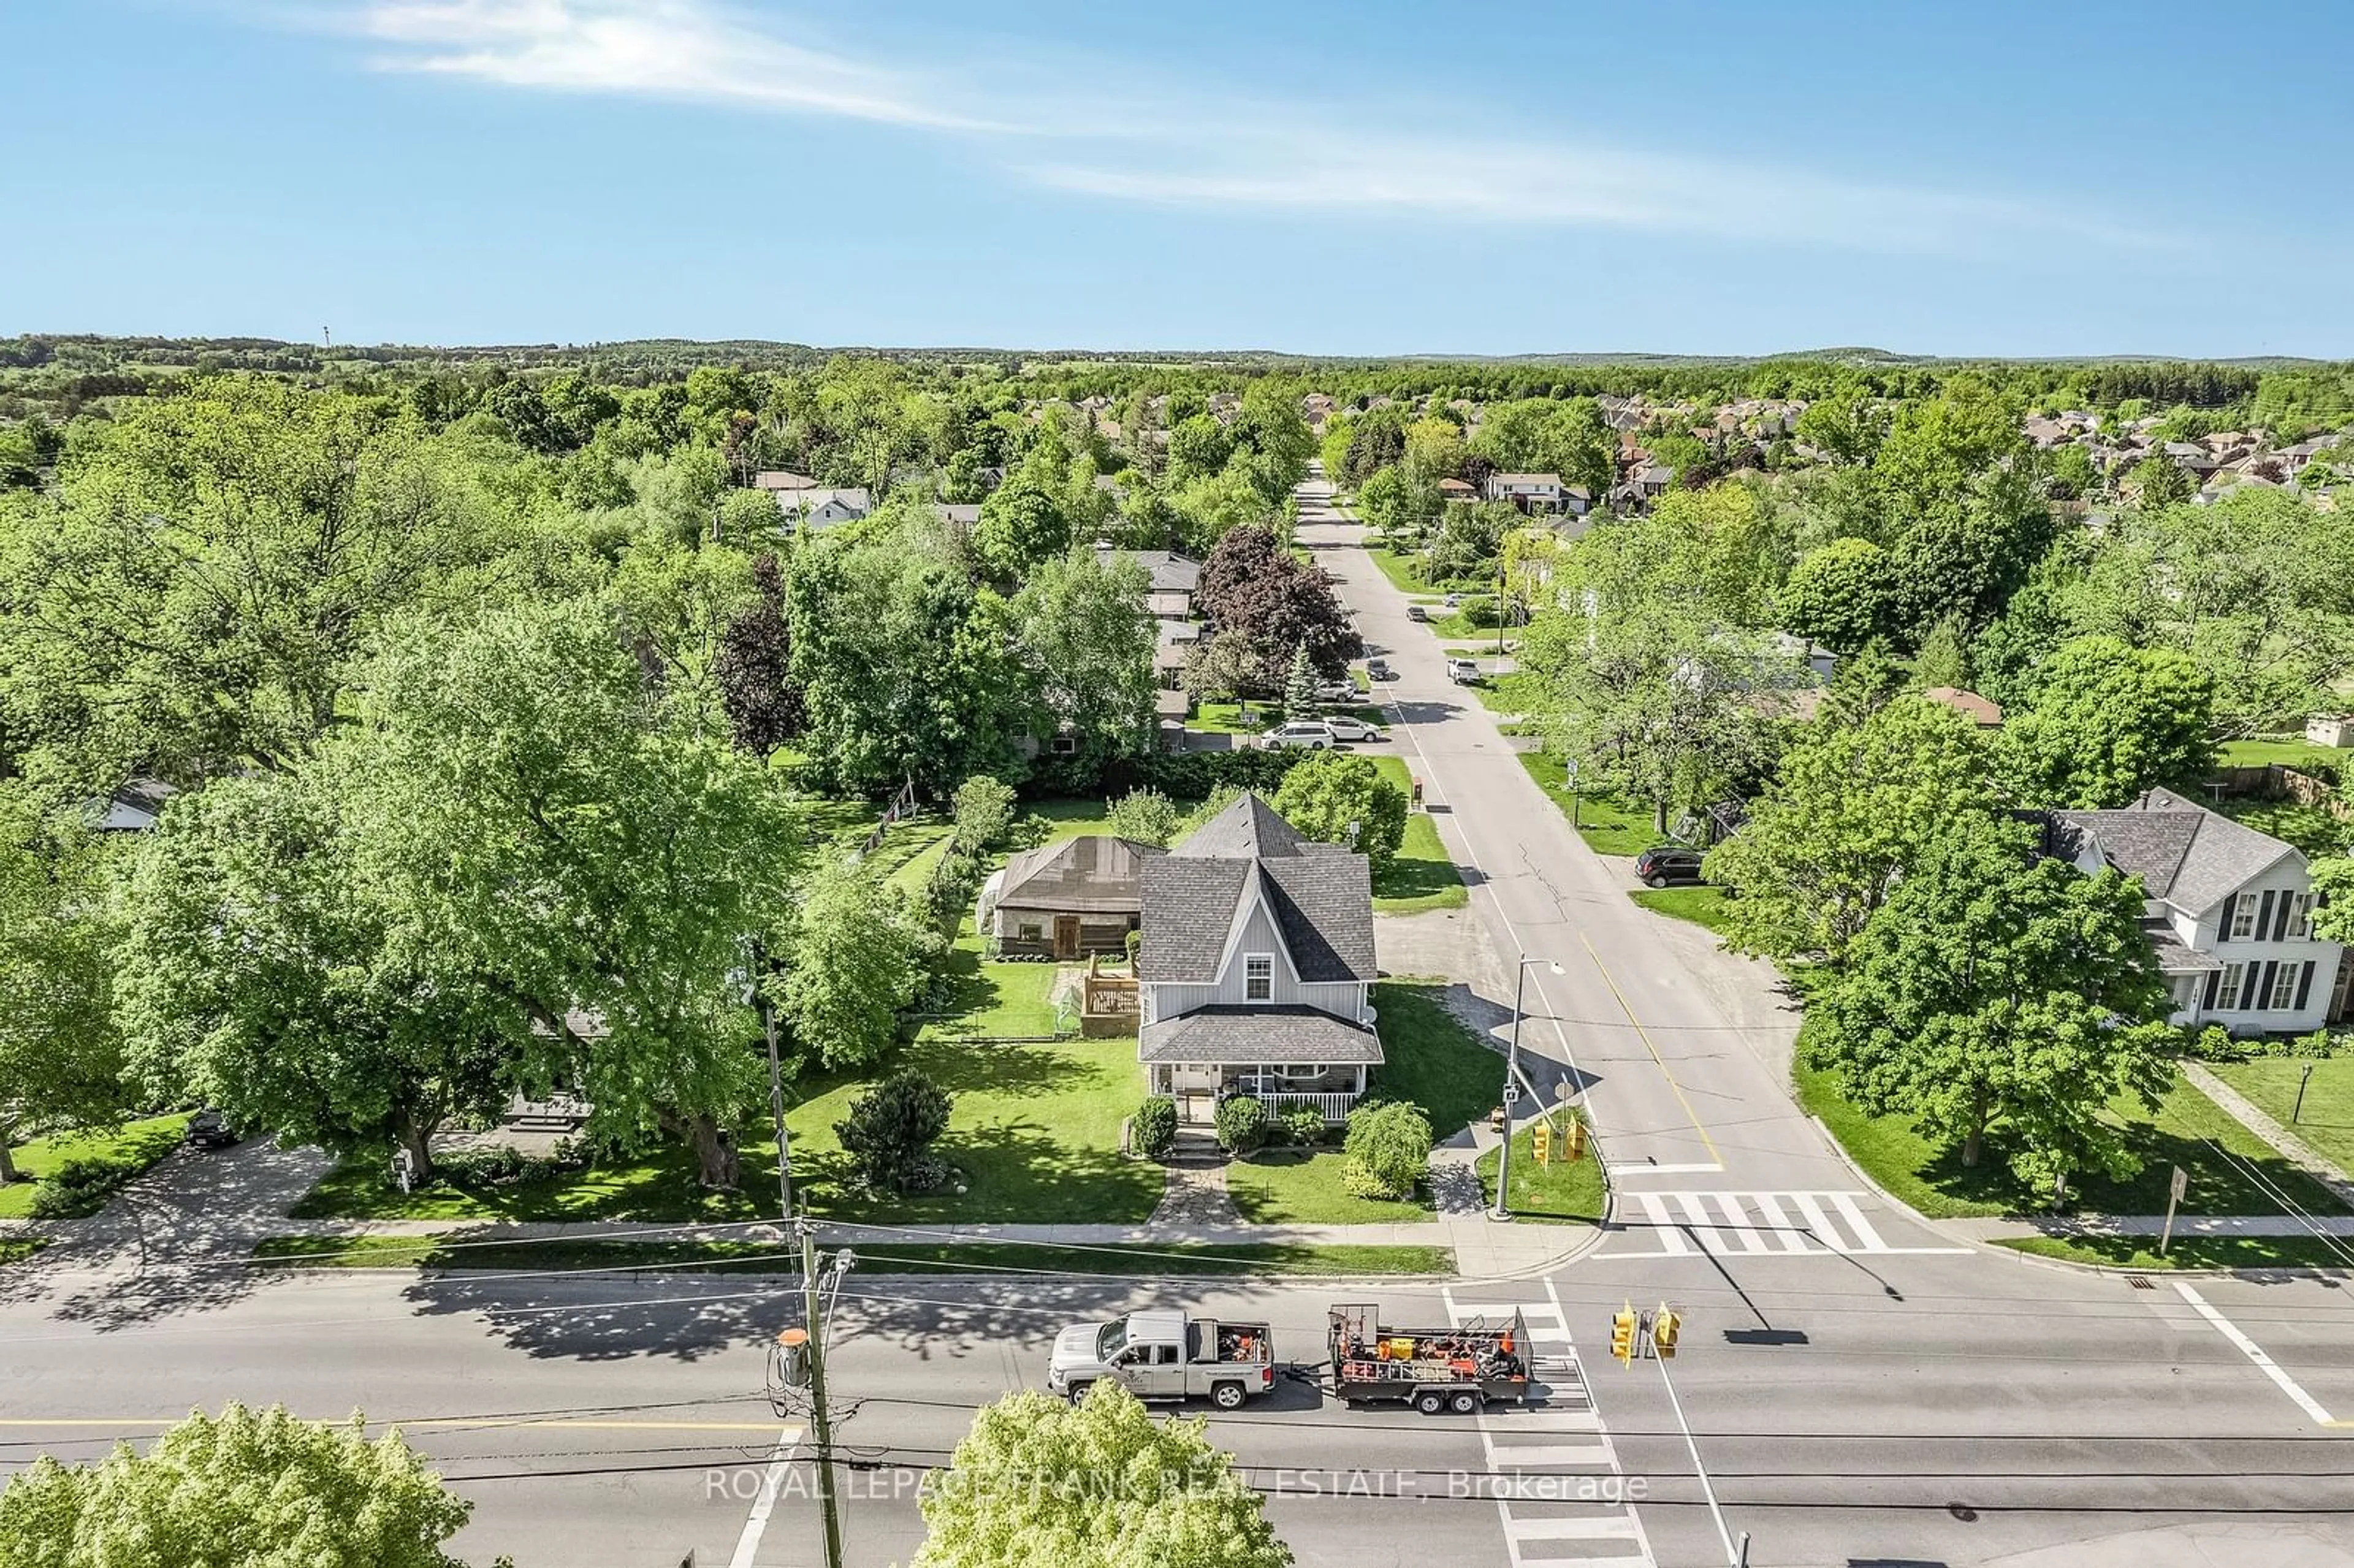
{"type": "Point", "coordinates": [755, 669]}
{"type": "Point", "coordinates": [1851, 809]}
{"type": "Point", "coordinates": [1841, 595]}
{"type": "Point", "coordinates": [1100, 1484]}
{"type": "Point", "coordinates": [212, 568]}
{"type": "Point", "coordinates": [1252, 588]}
{"type": "Point", "coordinates": [1999, 995]}
{"type": "Point", "coordinates": [1088, 642]}
{"type": "Point", "coordinates": [61, 1058]}
{"type": "Point", "coordinates": [1340, 800]}
{"type": "Point", "coordinates": [852, 968]}
{"type": "Point", "coordinates": [2109, 721]}
{"type": "Point", "coordinates": [246, 1489]}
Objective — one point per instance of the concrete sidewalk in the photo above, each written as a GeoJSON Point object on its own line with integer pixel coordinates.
{"type": "Point", "coordinates": [2008, 1228]}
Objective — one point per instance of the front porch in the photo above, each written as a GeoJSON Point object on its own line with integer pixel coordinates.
{"type": "Point", "coordinates": [1282, 1057]}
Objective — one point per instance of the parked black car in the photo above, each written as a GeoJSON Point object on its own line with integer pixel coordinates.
{"type": "Point", "coordinates": [210, 1130]}
{"type": "Point", "coordinates": [1665, 864]}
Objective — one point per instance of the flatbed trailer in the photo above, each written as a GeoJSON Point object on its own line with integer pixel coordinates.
{"type": "Point", "coordinates": [1459, 1370]}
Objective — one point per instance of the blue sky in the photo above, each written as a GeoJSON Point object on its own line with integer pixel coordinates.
{"type": "Point", "coordinates": [1350, 178]}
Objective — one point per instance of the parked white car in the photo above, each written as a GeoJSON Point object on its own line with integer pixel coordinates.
{"type": "Point", "coordinates": [1463, 671]}
{"type": "Point", "coordinates": [1347, 726]}
{"type": "Point", "coordinates": [1316, 734]}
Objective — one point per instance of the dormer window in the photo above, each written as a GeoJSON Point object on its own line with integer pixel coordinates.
{"type": "Point", "coordinates": [1258, 977]}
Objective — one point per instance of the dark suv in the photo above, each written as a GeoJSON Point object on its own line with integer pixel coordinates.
{"type": "Point", "coordinates": [1666, 864]}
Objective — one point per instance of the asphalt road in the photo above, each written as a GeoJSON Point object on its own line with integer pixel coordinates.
{"type": "Point", "coordinates": [1858, 1390]}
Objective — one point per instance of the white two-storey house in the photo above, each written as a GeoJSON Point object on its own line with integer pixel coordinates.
{"type": "Point", "coordinates": [2230, 912]}
{"type": "Point", "coordinates": [1256, 964]}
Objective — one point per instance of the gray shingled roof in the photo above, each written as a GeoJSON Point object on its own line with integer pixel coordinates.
{"type": "Point", "coordinates": [2185, 855]}
{"type": "Point", "coordinates": [1244, 1035]}
{"type": "Point", "coordinates": [1095, 873]}
{"type": "Point", "coordinates": [1169, 572]}
{"type": "Point", "coordinates": [1320, 895]}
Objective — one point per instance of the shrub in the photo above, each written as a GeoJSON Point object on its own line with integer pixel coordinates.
{"type": "Point", "coordinates": [1146, 815]}
{"type": "Point", "coordinates": [1303, 1126]}
{"type": "Point", "coordinates": [890, 1131]}
{"type": "Point", "coordinates": [1481, 610]}
{"type": "Point", "coordinates": [1134, 939]}
{"type": "Point", "coordinates": [1242, 1123]}
{"type": "Point", "coordinates": [80, 1187]}
{"type": "Point", "coordinates": [1153, 1129]}
{"type": "Point", "coordinates": [983, 809]}
{"type": "Point", "coordinates": [1388, 1147]}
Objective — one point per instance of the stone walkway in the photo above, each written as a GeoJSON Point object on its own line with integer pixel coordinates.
{"type": "Point", "coordinates": [1193, 1194]}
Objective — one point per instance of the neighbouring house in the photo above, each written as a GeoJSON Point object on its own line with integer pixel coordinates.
{"type": "Point", "coordinates": [957, 515]}
{"type": "Point", "coordinates": [1457, 490]}
{"type": "Point", "coordinates": [1257, 967]}
{"type": "Point", "coordinates": [775, 479]}
{"type": "Point", "coordinates": [1064, 900]}
{"type": "Point", "coordinates": [1978, 710]}
{"type": "Point", "coordinates": [1174, 579]}
{"type": "Point", "coordinates": [2336, 729]}
{"type": "Point", "coordinates": [2230, 912]}
{"type": "Point", "coordinates": [132, 809]}
{"type": "Point", "coordinates": [1576, 500]}
{"type": "Point", "coordinates": [1178, 640]}
{"type": "Point", "coordinates": [1529, 492]}
{"type": "Point", "coordinates": [823, 507]}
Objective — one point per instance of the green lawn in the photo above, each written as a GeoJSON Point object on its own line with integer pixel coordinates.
{"type": "Point", "coordinates": [2315, 832]}
{"type": "Point", "coordinates": [2326, 1122]}
{"type": "Point", "coordinates": [1298, 1186]}
{"type": "Point", "coordinates": [1516, 692]}
{"type": "Point", "coordinates": [17, 1249]}
{"type": "Point", "coordinates": [996, 998]}
{"type": "Point", "coordinates": [1422, 877]}
{"type": "Point", "coordinates": [130, 1150]}
{"type": "Point", "coordinates": [1564, 1193]}
{"type": "Point", "coordinates": [1034, 1135]}
{"type": "Point", "coordinates": [1608, 826]}
{"type": "Point", "coordinates": [1432, 1059]}
{"type": "Point", "coordinates": [1486, 649]}
{"type": "Point", "coordinates": [2296, 752]}
{"type": "Point", "coordinates": [2194, 1251]}
{"type": "Point", "coordinates": [1937, 1184]}
{"type": "Point", "coordinates": [1404, 571]}
{"type": "Point", "coordinates": [1177, 1258]}
{"type": "Point", "coordinates": [1703, 906]}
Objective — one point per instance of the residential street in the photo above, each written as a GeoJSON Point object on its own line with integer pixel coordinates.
{"type": "Point", "coordinates": [1860, 1388]}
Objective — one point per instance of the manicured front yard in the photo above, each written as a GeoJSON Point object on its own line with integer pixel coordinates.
{"type": "Point", "coordinates": [1607, 825]}
{"type": "Point", "coordinates": [1034, 1135]}
{"type": "Point", "coordinates": [128, 1150]}
{"type": "Point", "coordinates": [1565, 1192]}
{"type": "Point", "coordinates": [1703, 906]}
{"type": "Point", "coordinates": [1514, 691]}
{"type": "Point", "coordinates": [2185, 1131]}
{"type": "Point", "coordinates": [2326, 1120]}
{"type": "Point", "coordinates": [1423, 875]}
{"type": "Point", "coordinates": [2292, 752]}
{"type": "Point", "coordinates": [1298, 1186]}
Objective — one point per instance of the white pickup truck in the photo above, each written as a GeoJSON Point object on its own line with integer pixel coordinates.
{"type": "Point", "coordinates": [1165, 1355]}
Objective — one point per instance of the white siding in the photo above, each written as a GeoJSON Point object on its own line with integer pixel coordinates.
{"type": "Point", "coordinates": [2257, 952]}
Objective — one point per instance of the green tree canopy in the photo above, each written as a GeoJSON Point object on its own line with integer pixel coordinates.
{"type": "Point", "coordinates": [1849, 813]}
{"type": "Point", "coordinates": [1841, 595]}
{"type": "Point", "coordinates": [1101, 1484]}
{"type": "Point", "coordinates": [1337, 799]}
{"type": "Point", "coordinates": [1994, 994]}
{"type": "Point", "coordinates": [2108, 721]}
{"type": "Point", "coordinates": [243, 1489]}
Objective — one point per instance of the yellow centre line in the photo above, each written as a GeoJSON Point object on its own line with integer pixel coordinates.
{"type": "Point", "coordinates": [1644, 1036]}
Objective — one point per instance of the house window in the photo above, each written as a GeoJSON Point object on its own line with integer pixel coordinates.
{"type": "Point", "coordinates": [2300, 916]}
{"type": "Point", "coordinates": [1064, 745]}
{"type": "Point", "coordinates": [2227, 995]}
{"type": "Point", "coordinates": [2243, 916]}
{"type": "Point", "coordinates": [2283, 995]}
{"type": "Point", "coordinates": [1030, 931]}
{"type": "Point", "coordinates": [1258, 977]}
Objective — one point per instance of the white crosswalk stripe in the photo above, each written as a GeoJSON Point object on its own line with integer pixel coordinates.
{"type": "Point", "coordinates": [1732, 1224]}
{"type": "Point", "coordinates": [1554, 1472]}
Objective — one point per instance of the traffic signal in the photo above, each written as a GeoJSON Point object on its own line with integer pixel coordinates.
{"type": "Point", "coordinates": [1665, 1325]}
{"type": "Point", "coordinates": [1574, 1141]}
{"type": "Point", "coordinates": [1622, 1334]}
{"type": "Point", "coordinates": [1541, 1142]}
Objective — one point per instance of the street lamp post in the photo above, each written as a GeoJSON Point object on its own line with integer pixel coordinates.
{"type": "Point", "coordinates": [1503, 1209]}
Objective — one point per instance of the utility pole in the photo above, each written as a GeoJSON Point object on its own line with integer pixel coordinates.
{"type": "Point", "coordinates": [820, 1424]}
{"type": "Point", "coordinates": [1503, 1209]}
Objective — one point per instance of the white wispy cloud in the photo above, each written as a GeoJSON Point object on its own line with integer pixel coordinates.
{"type": "Point", "coordinates": [1192, 149]}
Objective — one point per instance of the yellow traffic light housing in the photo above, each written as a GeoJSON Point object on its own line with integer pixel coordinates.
{"type": "Point", "coordinates": [1574, 1141]}
{"type": "Point", "coordinates": [1622, 1334]}
{"type": "Point", "coordinates": [1665, 1325]}
{"type": "Point", "coordinates": [1541, 1143]}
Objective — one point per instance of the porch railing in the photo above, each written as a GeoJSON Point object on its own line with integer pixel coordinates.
{"type": "Point", "coordinates": [1334, 1106]}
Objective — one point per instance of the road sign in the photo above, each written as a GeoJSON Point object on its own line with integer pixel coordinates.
{"type": "Point", "coordinates": [2175, 1188]}
{"type": "Point", "coordinates": [2180, 1183]}
{"type": "Point", "coordinates": [1561, 1090]}
{"type": "Point", "coordinates": [1512, 1094]}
